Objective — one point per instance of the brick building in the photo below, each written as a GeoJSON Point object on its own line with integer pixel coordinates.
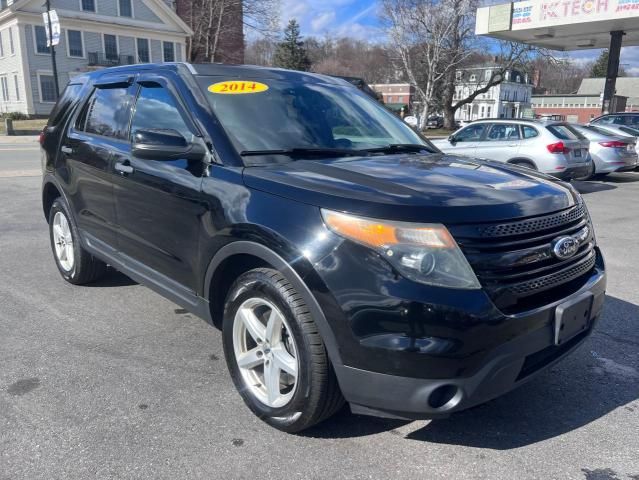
{"type": "Point", "coordinates": [396, 95]}
{"type": "Point", "coordinates": [578, 108]}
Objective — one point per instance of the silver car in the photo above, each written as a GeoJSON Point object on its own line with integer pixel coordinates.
{"type": "Point", "coordinates": [554, 148]}
{"type": "Point", "coordinates": [621, 130]}
{"type": "Point", "coordinates": [609, 152]}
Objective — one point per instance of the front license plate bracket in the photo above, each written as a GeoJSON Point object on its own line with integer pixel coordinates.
{"type": "Point", "coordinates": [573, 317]}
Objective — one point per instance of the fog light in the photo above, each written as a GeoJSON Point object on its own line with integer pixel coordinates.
{"type": "Point", "coordinates": [442, 395]}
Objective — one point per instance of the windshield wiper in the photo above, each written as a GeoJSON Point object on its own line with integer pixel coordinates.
{"type": "Point", "coordinates": [399, 147]}
{"type": "Point", "coordinates": [304, 152]}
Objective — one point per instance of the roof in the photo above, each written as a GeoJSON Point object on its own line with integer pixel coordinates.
{"type": "Point", "coordinates": [159, 8]}
{"type": "Point", "coordinates": [215, 69]}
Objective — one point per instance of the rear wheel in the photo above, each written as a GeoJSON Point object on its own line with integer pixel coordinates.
{"type": "Point", "coordinates": [75, 264]}
{"type": "Point", "coordinates": [275, 353]}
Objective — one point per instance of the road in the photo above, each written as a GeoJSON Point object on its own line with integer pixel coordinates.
{"type": "Point", "coordinates": [113, 381]}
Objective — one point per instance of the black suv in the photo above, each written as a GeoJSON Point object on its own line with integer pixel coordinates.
{"type": "Point", "coordinates": [344, 257]}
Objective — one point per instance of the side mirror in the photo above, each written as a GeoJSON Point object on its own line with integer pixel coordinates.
{"type": "Point", "coordinates": [452, 140]}
{"type": "Point", "coordinates": [164, 145]}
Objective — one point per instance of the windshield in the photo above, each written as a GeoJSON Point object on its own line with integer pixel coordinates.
{"type": "Point", "coordinates": [262, 115]}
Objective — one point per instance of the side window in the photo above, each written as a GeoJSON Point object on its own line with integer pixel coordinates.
{"type": "Point", "coordinates": [156, 109]}
{"type": "Point", "coordinates": [529, 132]}
{"type": "Point", "coordinates": [106, 113]}
{"type": "Point", "coordinates": [471, 133]}
{"type": "Point", "coordinates": [69, 95]}
{"type": "Point", "coordinates": [503, 132]}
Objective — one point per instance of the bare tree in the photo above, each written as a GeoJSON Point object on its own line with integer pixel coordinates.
{"type": "Point", "coordinates": [510, 55]}
{"type": "Point", "coordinates": [218, 26]}
{"type": "Point", "coordinates": [421, 32]}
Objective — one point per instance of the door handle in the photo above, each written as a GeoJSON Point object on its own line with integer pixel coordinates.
{"type": "Point", "coordinates": [123, 168]}
{"type": "Point", "coordinates": [66, 149]}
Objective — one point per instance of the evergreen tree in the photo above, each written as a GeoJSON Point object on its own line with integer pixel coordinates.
{"type": "Point", "coordinates": [291, 52]}
{"type": "Point", "coordinates": [600, 67]}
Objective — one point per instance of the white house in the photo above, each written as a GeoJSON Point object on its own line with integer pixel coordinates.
{"type": "Point", "coordinates": [509, 99]}
{"type": "Point", "coordinates": [95, 34]}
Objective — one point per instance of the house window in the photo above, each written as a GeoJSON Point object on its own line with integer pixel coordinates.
{"type": "Point", "coordinates": [144, 54]}
{"type": "Point", "coordinates": [5, 88]}
{"type": "Point", "coordinates": [16, 84]}
{"type": "Point", "coordinates": [110, 47]}
{"type": "Point", "coordinates": [488, 108]}
{"type": "Point", "coordinates": [74, 40]}
{"type": "Point", "coordinates": [11, 46]}
{"type": "Point", "coordinates": [473, 78]}
{"type": "Point", "coordinates": [458, 75]}
{"type": "Point", "coordinates": [88, 5]}
{"type": "Point", "coordinates": [1, 46]}
{"type": "Point", "coordinates": [47, 89]}
{"type": "Point", "coordinates": [41, 39]}
{"type": "Point", "coordinates": [168, 49]}
{"type": "Point", "coordinates": [126, 10]}
{"type": "Point", "coordinates": [487, 75]}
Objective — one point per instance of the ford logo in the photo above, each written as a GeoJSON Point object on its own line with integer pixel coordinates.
{"type": "Point", "coordinates": [565, 247]}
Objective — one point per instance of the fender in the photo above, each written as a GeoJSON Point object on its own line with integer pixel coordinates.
{"type": "Point", "coordinates": [272, 258]}
{"type": "Point", "coordinates": [49, 178]}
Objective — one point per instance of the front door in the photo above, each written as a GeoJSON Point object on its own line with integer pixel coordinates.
{"type": "Point", "coordinates": [466, 140]}
{"type": "Point", "coordinates": [158, 203]}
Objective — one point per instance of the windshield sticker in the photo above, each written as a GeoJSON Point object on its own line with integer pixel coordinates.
{"type": "Point", "coordinates": [237, 87]}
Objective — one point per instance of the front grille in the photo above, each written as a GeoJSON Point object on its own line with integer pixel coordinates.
{"type": "Point", "coordinates": [515, 263]}
{"type": "Point", "coordinates": [534, 224]}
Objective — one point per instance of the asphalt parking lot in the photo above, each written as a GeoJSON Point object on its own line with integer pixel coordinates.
{"type": "Point", "coordinates": [113, 381]}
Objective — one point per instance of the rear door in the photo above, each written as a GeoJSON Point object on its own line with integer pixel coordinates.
{"type": "Point", "coordinates": [501, 142]}
{"type": "Point", "coordinates": [158, 203]}
{"type": "Point", "coordinates": [99, 129]}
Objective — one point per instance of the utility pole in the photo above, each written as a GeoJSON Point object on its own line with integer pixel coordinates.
{"type": "Point", "coordinates": [54, 65]}
{"type": "Point", "coordinates": [612, 71]}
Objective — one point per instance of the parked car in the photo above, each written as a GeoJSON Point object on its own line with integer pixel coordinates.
{"type": "Point", "coordinates": [554, 148]}
{"type": "Point", "coordinates": [620, 130]}
{"type": "Point", "coordinates": [435, 121]}
{"type": "Point", "coordinates": [610, 153]}
{"type": "Point", "coordinates": [343, 256]}
{"type": "Point", "coordinates": [627, 119]}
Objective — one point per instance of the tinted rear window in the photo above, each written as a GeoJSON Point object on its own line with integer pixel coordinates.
{"type": "Point", "coordinates": [565, 132]}
{"type": "Point", "coordinates": [107, 113]}
{"type": "Point", "coordinates": [68, 99]}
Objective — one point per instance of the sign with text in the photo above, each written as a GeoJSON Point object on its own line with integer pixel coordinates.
{"type": "Point", "coordinates": [53, 36]}
{"type": "Point", "coordinates": [550, 13]}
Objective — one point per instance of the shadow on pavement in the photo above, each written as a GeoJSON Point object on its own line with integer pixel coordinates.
{"type": "Point", "coordinates": [590, 186]}
{"type": "Point", "coordinates": [113, 278]}
{"type": "Point", "coordinates": [590, 383]}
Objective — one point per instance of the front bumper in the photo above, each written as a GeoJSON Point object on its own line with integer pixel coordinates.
{"type": "Point", "coordinates": [472, 379]}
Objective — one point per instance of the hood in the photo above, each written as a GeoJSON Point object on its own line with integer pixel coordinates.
{"type": "Point", "coordinates": [422, 188]}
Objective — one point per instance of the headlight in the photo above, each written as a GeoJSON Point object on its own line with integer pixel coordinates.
{"type": "Point", "coordinates": [425, 253]}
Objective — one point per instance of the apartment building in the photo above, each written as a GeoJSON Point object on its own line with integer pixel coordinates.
{"type": "Point", "coordinates": [94, 34]}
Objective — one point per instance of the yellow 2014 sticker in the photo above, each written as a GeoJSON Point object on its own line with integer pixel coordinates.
{"type": "Point", "coordinates": [237, 87]}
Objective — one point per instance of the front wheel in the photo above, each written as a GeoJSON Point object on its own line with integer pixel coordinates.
{"type": "Point", "coordinates": [275, 354]}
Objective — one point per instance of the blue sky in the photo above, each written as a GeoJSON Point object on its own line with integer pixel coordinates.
{"type": "Point", "coordinates": [360, 19]}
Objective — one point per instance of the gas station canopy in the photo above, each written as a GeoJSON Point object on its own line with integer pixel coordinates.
{"type": "Point", "coordinates": [561, 24]}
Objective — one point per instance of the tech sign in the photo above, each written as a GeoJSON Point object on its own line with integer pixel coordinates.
{"type": "Point", "coordinates": [545, 13]}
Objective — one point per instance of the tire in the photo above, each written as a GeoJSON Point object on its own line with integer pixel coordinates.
{"type": "Point", "coordinates": [588, 176]}
{"type": "Point", "coordinates": [75, 264]}
{"type": "Point", "coordinates": [306, 398]}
